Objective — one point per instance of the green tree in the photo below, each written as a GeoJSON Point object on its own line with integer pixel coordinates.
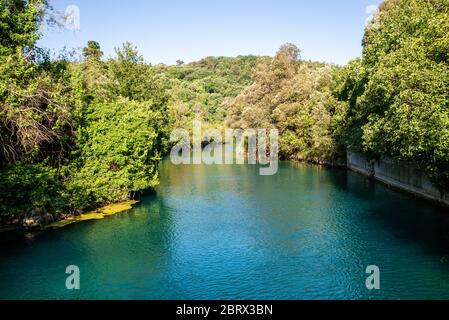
{"type": "Point", "coordinates": [295, 97]}
{"type": "Point", "coordinates": [92, 51]}
{"type": "Point", "coordinates": [120, 155]}
{"type": "Point", "coordinates": [19, 24]}
{"type": "Point", "coordinates": [397, 93]}
{"type": "Point", "coordinates": [35, 95]}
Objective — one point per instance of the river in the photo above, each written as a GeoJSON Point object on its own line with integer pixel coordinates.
{"type": "Point", "coordinates": [225, 232]}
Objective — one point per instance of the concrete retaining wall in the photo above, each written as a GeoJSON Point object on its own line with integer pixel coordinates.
{"type": "Point", "coordinates": [398, 175]}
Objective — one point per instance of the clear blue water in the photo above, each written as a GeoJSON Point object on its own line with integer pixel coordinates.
{"type": "Point", "coordinates": [224, 232]}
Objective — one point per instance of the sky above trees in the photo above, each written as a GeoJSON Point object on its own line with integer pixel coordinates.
{"type": "Point", "coordinates": [168, 30]}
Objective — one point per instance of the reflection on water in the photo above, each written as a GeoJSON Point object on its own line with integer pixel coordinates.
{"type": "Point", "coordinates": [225, 232]}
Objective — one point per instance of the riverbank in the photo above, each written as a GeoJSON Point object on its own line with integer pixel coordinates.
{"type": "Point", "coordinates": [394, 174]}
{"type": "Point", "coordinates": [98, 214]}
{"type": "Point", "coordinates": [43, 221]}
{"type": "Point", "coordinates": [398, 175]}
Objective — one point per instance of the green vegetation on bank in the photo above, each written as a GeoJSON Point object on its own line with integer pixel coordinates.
{"type": "Point", "coordinates": [398, 93]}
{"type": "Point", "coordinates": [197, 90]}
{"type": "Point", "coordinates": [77, 134]}
{"type": "Point", "coordinates": [74, 135]}
{"type": "Point", "coordinates": [297, 98]}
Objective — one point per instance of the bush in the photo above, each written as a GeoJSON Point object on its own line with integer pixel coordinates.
{"type": "Point", "coordinates": [121, 152]}
{"type": "Point", "coordinates": [30, 186]}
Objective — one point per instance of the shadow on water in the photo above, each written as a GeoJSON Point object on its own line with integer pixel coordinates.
{"type": "Point", "coordinates": [13, 243]}
{"type": "Point", "coordinates": [408, 218]}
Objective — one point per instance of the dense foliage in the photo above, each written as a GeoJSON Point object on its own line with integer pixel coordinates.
{"type": "Point", "coordinates": [198, 89]}
{"type": "Point", "coordinates": [392, 102]}
{"type": "Point", "coordinates": [398, 92]}
{"type": "Point", "coordinates": [77, 134]}
{"type": "Point", "coordinates": [74, 135]}
{"type": "Point", "coordinates": [296, 97]}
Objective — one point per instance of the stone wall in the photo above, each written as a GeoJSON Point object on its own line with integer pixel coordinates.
{"type": "Point", "coordinates": [398, 175]}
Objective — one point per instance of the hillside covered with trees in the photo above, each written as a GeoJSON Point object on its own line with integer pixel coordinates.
{"type": "Point", "coordinates": [76, 134]}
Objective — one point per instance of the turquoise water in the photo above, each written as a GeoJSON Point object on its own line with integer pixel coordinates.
{"type": "Point", "coordinates": [224, 232]}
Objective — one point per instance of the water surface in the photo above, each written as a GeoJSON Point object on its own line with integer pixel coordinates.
{"type": "Point", "coordinates": [224, 232]}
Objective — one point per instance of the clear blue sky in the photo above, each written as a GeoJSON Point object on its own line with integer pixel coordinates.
{"type": "Point", "coordinates": [167, 30]}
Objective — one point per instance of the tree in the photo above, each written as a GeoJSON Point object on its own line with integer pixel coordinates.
{"type": "Point", "coordinates": [290, 51]}
{"type": "Point", "coordinates": [35, 98]}
{"type": "Point", "coordinates": [296, 98]}
{"type": "Point", "coordinates": [397, 93]}
{"type": "Point", "coordinates": [121, 155]}
{"type": "Point", "coordinates": [36, 119]}
{"type": "Point", "coordinates": [198, 89]}
{"type": "Point", "coordinates": [73, 135]}
{"type": "Point", "coordinates": [92, 51]}
{"type": "Point", "coordinates": [132, 78]}
{"type": "Point", "coordinates": [19, 24]}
